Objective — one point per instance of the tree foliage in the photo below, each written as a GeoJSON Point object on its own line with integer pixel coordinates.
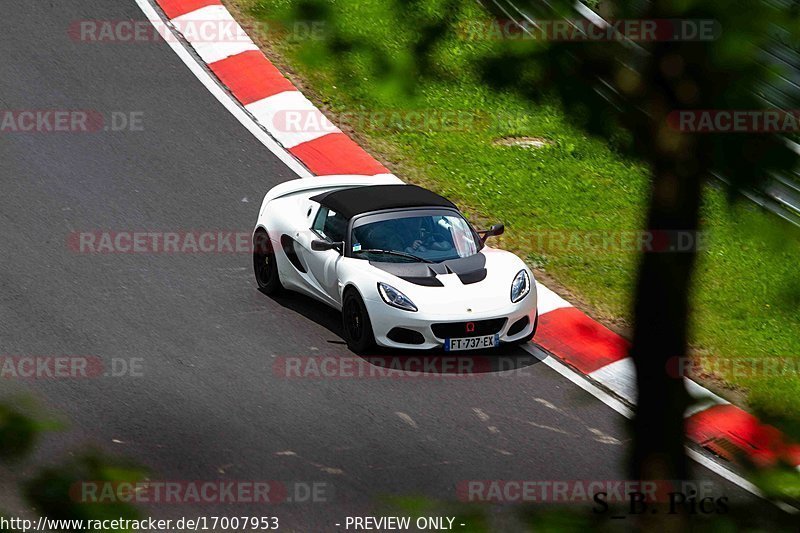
{"type": "Point", "coordinates": [55, 491]}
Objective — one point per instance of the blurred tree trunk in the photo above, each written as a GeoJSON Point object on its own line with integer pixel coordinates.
{"type": "Point", "coordinates": [661, 302]}
{"type": "Point", "coordinates": [660, 334]}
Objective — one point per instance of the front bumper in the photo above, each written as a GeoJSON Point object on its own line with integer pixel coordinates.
{"type": "Point", "coordinates": [385, 318]}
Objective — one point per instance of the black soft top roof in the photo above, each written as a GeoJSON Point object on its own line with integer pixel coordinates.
{"type": "Point", "coordinates": [356, 200]}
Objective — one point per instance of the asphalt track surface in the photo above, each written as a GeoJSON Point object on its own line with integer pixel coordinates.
{"type": "Point", "coordinates": [209, 405]}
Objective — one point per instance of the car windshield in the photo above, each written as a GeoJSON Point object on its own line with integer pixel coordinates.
{"type": "Point", "coordinates": [429, 237]}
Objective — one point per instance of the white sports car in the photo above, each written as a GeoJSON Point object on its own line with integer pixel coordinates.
{"type": "Point", "coordinates": [401, 263]}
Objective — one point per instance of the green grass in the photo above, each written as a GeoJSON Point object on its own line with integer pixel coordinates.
{"type": "Point", "coordinates": [747, 293]}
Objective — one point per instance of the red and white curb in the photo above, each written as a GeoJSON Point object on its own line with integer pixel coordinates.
{"type": "Point", "coordinates": [602, 355]}
{"type": "Point", "coordinates": [264, 92]}
{"type": "Point", "coordinates": [564, 331]}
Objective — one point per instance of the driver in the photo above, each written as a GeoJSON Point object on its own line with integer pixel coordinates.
{"type": "Point", "coordinates": [424, 239]}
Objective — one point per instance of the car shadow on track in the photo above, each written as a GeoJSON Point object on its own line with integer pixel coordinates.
{"type": "Point", "coordinates": [312, 310]}
{"type": "Point", "coordinates": [506, 358]}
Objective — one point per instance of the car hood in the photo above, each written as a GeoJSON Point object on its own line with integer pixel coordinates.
{"type": "Point", "coordinates": [481, 282]}
{"type": "Point", "coordinates": [469, 270]}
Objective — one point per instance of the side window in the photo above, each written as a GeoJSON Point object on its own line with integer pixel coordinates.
{"type": "Point", "coordinates": [330, 224]}
{"type": "Point", "coordinates": [319, 221]}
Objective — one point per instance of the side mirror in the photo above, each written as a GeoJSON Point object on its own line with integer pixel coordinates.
{"type": "Point", "coordinates": [495, 230]}
{"type": "Point", "coordinates": [318, 245]}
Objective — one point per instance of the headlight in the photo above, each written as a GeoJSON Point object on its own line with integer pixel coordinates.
{"type": "Point", "coordinates": [521, 286]}
{"type": "Point", "coordinates": [395, 298]}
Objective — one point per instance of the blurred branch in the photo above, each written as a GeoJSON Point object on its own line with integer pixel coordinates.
{"type": "Point", "coordinates": [55, 492]}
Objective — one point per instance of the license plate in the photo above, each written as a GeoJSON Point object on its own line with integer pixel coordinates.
{"type": "Point", "coordinates": [471, 343]}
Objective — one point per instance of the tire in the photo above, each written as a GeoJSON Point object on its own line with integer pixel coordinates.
{"type": "Point", "coordinates": [265, 267]}
{"type": "Point", "coordinates": [356, 324]}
